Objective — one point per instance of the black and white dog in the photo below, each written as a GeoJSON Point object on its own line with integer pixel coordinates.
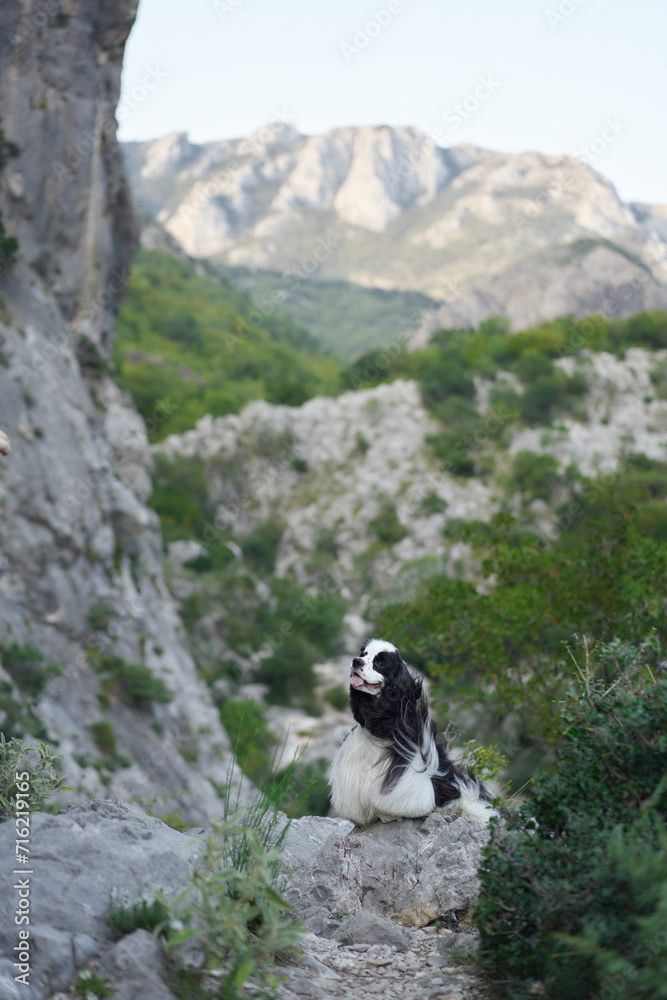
{"type": "Point", "coordinates": [392, 765]}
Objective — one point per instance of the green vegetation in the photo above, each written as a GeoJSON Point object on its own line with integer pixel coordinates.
{"type": "Point", "coordinates": [343, 318]}
{"type": "Point", "coordinates": [180, 497]}
{"type": "Point", "coordinates": [185, 349]}
{"type": "Point", "coordinates": [124, 917]}
{"type": "Point", "coordinates": [37, 779]}
{"type": "Point", "coordinates": [446, 368]}
{"type": "Point", "coordinates": [100, 616]}
{"type": "Point", "coordinates": [499, 652]}
{"type": "Point", "coordinates": [104, 736]}
{"type": "Point", "coordinates": [386, 526]}
{"type": "Point", "coordinates": [249, 733]}
{"type": "Point", "coordinates": [24, 665]}
{"type": "Point", "coordinates": [573, 894]}
{"type": "Point", "coordinates": [133, 683]}
{"type": "Point", "coordinates": [533, 475]}
{"type": "Point", "coordinates": [261, 547]}
{"type": "Point", "coordinates": [92, 985]}
{"type": "Point", "coordinates": [302, 630]}
{"type": "Point", "coordinates": [233, 916]}
{"type": "Point", "coordinates": [9, 245]}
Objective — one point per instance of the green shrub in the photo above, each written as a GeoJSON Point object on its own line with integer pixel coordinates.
{"type": "Point", "coordinates": [261, 547]}
{"type": "Point", "coordinates": [24, 665]}
{"type": "Point", "coordinates": [534, 475]}
{"type": "Point", "coordinates": [124, 917]}
{"type": "Point", "coordinates": [180, 496]}
{"type": "Point", "coordinates": [216, 557]}
{"type": "Point", "coordinates": [184, 348]}
{"type": "Point", "coordinates": [91, 360]}
{"type": "Point", "coordinates": [100, 616]}
{"type": "Point", "coordinates": [574, 891]}
{"type": "Point", "coordinates": [132, 682]}
{"type": "Point", "coordinates": [309, 793]}
{"type": "Point", "coordinates": [337, 697]}
{"type": "Point", "coordinates": [250, 736]}
{"type": "Point", "coordinates": [92, 985]}
{"type": "Point", "coordinates": [431, 503]}
{"type": "Point", "coordinates": [303, 630]}
{"type": "Point", "coordinates": [233, 916]}
{"type": "Point", "coordinates": [17, 757]}
{"type": "Point", "coordinates": [386, 526]}
{"type": "Point", "coordinates": [104, 736]}
{"type": "Point", "coordinates": [500, 653]}
{"type": "Point", "coordinates": [447, 377]}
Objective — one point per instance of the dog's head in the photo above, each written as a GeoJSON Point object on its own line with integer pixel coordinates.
{"type": "Point", "coordinates": [378, 665]}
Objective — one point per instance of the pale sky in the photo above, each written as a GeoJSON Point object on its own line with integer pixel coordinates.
{"type": "Point", "coordinates": [553, 74]}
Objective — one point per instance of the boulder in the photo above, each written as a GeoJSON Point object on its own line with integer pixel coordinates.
{"type": "Point", "coordinates": [410, 871]}
{"type": "Point", "coordinates": [76, 859]}
{"type": "Point", "coordinates": [365, 928]}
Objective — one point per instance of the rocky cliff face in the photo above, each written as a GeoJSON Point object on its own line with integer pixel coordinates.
{"type": "Point", "coordinates": [80, 565]}
{"type": "Point", "coordinates": [65, 194]}
{"type": "Point", "coordinates": [527, 236]}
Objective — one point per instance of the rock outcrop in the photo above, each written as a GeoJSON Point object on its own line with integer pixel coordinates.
{"type": "Point", "coordinates": [75, 532]}
{"type": "Point", "coordinates": [414, 870]}
{"type": "Point", "coordinates": [525, 236]}
{"type": "Point", "coordinates": [65, 194]}
{"type": "Point", "coordinates": [410, 871]}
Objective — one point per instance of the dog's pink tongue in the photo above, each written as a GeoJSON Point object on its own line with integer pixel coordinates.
{"type": "Point", "coordinates": [356, 682]}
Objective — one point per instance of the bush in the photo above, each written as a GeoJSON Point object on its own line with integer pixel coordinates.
{"type": "Point", "coordinates": [104, 737]}
{"type": "Point", "coordinates": [9, 245]}
{"type": "Point", "coordinates": [17, 757]}
{"type": "Point", "coordinates": [500, 653]}
{"type": "Point", "coordinates": [261, 547]}
{"type": "Point", "coordinates": [24, 665]}
{"type": "Point", "coordinates": [90, 358]}
{"type": "Point", "coordinates": [309, 792]}
{"type": "Point", "coordinates": [574, 891]}
{"type": "Point", "coordinates": [249, 734]}
{"type": "Point", "coordinates": [386, 526]}
{"type": "Point", "coordinates": [100, 616]}
{"type": "Point", "coordinates": [231, 915]}
{"type": "Point", "coordinates": [132, 682]}
{"type": "Point", "coordinates": [180, 496]}
{"type": "Point", "coordinates": [124, 917]}
{"type": "Point", "coordinates": [534, 475]}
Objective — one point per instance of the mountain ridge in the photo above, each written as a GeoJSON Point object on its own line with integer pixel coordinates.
{"type": "Point", "coordinates": [398, 212]}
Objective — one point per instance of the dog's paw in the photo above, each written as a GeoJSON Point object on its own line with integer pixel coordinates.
{"type": "Point", "coordinates": [5, 446]}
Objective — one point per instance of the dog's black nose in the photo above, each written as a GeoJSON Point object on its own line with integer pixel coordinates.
{"type": "Point", "coordinates": [357, 662]}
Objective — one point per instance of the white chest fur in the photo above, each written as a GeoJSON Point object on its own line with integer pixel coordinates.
{"type": "Point", "coordinates": [356, 781]}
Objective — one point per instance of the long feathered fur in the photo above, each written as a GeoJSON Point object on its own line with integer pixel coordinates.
{"type": "Point", "coordinates": [392, 764]}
